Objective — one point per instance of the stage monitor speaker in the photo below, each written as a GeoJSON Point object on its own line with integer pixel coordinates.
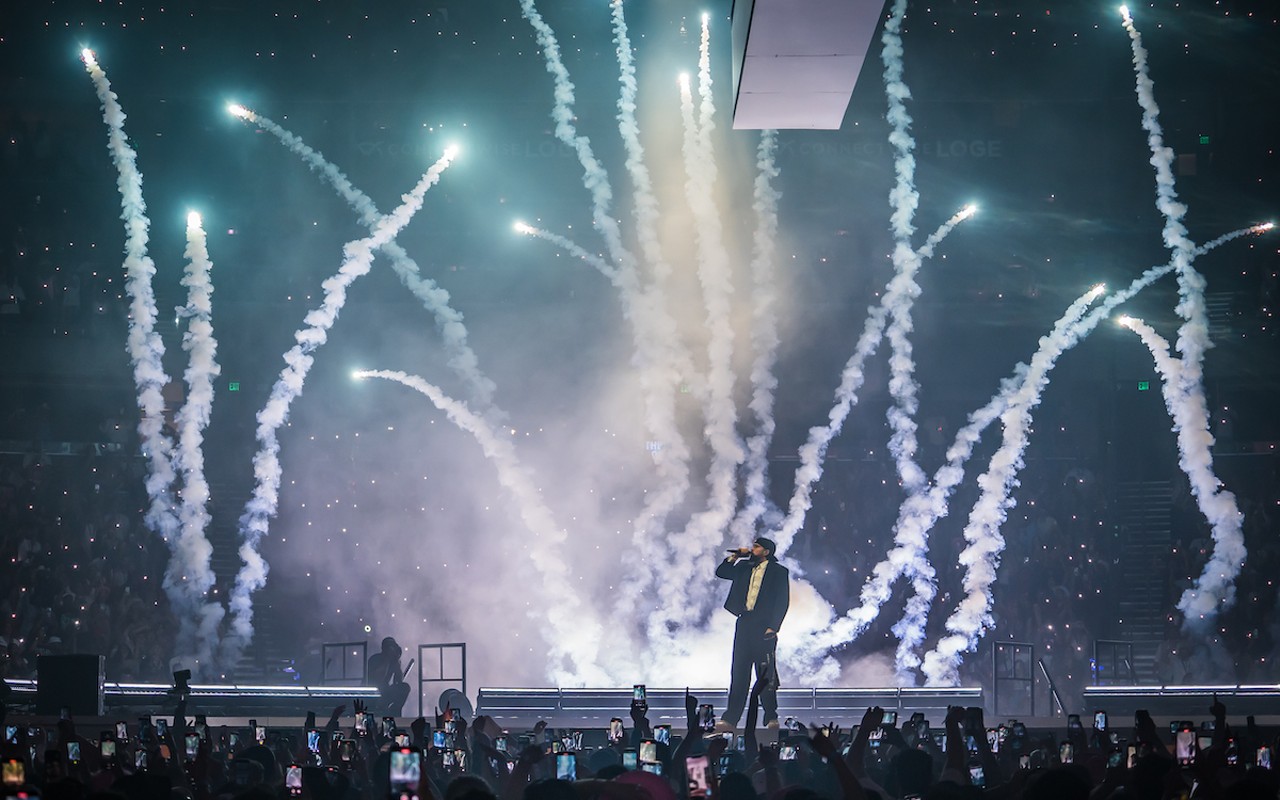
{"type": "Point", "coordinates": [73, 682]}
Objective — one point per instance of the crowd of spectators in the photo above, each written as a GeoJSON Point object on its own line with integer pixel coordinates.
{"type": "Point", "coordinates": [451, 759]}
{"type": "Point", "coordinates": [78, 571]}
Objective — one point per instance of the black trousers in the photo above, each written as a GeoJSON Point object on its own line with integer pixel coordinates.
{"type": "Point", "coordinates": [752, 652]}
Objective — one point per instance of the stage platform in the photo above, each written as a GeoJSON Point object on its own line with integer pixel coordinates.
{"type": "Point", "coordinates": [1185, 702]}
{"type": "Point", "coordinates": [515, 708]}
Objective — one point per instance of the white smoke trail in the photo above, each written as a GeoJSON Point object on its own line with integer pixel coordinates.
{"type": "Point", "coordinates": [357, 259]}
{"type": "Point", "coordinates": [660, 358]}
{"type": "Point", "coordinates": [764, 339]}
{"type": "Point", "coordinates": [1214, 590]}
{"type": "Point", "coordinates": [814, 450]}
{"type": "Point", "coordinates": [574, 249]}
{"type": "Point", "coordinates": [190, 568]}
{"type": "Point", "coordinates": [906, 262]}
{"type": "Point", "coordinates": [971, 619]}
{"type": "Point", "coordinates": [705, 531]}
{"type": "Point", "coordinates": [145, 347]}
{"type": "Point", "coordinates": [460, 357]}
{"type": "Point", "coordinates": [574, 633]}
{"type": "Point", "coordinates": [981, 557]}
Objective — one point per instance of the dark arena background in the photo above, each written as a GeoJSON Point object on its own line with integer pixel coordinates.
{"type": "Point", "coordinates": [621, 336]}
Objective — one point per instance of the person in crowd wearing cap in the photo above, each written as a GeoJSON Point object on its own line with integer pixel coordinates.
{"type": "Point", "coordinates": [386, 674]}
{"type": "Point", "coordinates": [759, 597]}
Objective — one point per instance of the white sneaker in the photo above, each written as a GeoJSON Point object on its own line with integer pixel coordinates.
{"type": "Point", "coordinates": [725, 727]}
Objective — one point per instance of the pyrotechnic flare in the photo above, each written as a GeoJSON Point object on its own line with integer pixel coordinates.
{"type": "Point", "coordinates": [764, 340]}
{"type": "Point", "coordinates": [190, 569]}
{"type": "Point", "coordinates": [146, 349]}
{"type": "Point", "coordinates": [1214, 590]}
{"type": "Point", "coordinates": [574, 634]}
{"type": "Point", "coordinates": [574, 249]}
{"type": "Point", "coordinates": [357, 258]}
{"type": "Point", "coordinates": [814, 450]}
{"type": "Point", "coordinates": [461, 358]}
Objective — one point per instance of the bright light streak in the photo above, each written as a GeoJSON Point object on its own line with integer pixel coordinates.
{"type": "Point", "coordinates": [684, 80]}
{"type": "Point", "coordinates": [521, 227]}
{"type": "Point", "coordinates": [1264, 227]}
{"type": "Point", "coordinates": [240, 111]}
{"type": "Point", "coordinates": [1124, 12]}
{"type": "Point", "coordinates": [451, 152]}
{"type": "Point", "coordinates": [359, 374]}
{"type": "Point", "coordinates": [193, 220]}
{"type": "Point", "coordinates": [969, 211]}
{"type": "Point", "coordinates": [1125, 321]}
{"type": "Point", "coordinates": [88, 57]}
{"type": "Point", "coordinates": [1097, 291]}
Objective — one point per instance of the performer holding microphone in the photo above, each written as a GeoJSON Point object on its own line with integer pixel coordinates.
{"type": "Point", "coordinates": [759, 597]}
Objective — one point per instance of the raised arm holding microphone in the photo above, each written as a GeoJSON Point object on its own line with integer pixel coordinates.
{"type": "Point", "coordinates": [759, 597]}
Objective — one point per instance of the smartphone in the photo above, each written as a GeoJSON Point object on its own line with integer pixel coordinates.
{"type": "Point", "coordinates": [202, 730]}
{"type": "Point", "coordinates": [1184, 747]}
{"type": "Point", "coordinates": [363, 720]}
{"type": "Point", "coordinates": [891, 718]}
{"type": "Point", "coordinates": [662, 734]}
{"type": "Point", "coordinates": [260, 733]}
{"type": "Point", "coordinates": [404, 772]}
{"type": "Point", "coordinates": [11, 734]}
{"type": "Point", "coordinates": [438, 740]}
{"type": "Point", "coordinates": [977, 777]}
{"type": "Point", "coordinates": [122, 732]}
{"type": "Point", "coordinates": [402, 740]}
{"type": "Point", "coordinates": [1066, 752]}
{"type": "Point", "coordinates": [1264, 757]}
{"type": "Point", "coordinates": [313, 740]}
{"type": "Point", "coordinates": [233, 740]}
{"type": "Point", "coordinates": [1233, 753]}
{"type": "Point", "coordinates": [15, 773]}
{"type": "Point", "coordinates": [293, 779]}
{"type": "Point", "coordinates": [162, 727]}
{"type": "Point", "coordinates": [500, 743]}
{"type": "Point", "coordinates": [875, 737]}
{"type": "Point", "coordinates": [787, 752]}
{"type": "Point", "coordinates": [639, 694]}
{"type": "Point", "coordinates": [706, 717]}
{"type": "Point", "coordinates": [649, 751]}
{"type": "Point", "coordinates": [1203, 743]}
{"type": "Point", "coordinates": [615, 730]}
{"type": "Point", "coordinates": [108, 748]}
{"type": "Point", "coordinates": [1115, 759]}
{"type": "Point", "coordinates": [1099, 720]}
{"type": "Point", "coordinates": [566, 767]}
{"type": "Point", "coordinates": [346, 749]}
{"type": "Point", "coordinates": [192, 743]}
{"type": "Point", "coordinates": [388, 726]}
{"type": "Point", "coordinates": [140, 760]}
{"type": "Point", "coordinates": [1024, 761]}
{"type": "Point", "coordinates": [630, 759]}
{"type": "Point", "coordinates": [993, 740]}
{"type": "Point", "coordinates": [73, 752]}
{"type": "Point", "coordinates": [695, 768]}
{"type": "Point", "coordinates": [1131, 756]}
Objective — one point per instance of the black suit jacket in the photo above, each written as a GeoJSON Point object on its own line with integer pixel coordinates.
{"type": "Point", "coordinates": [775, 591]}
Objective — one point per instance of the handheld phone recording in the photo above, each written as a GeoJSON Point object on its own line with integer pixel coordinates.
{"type": "Point", "coordinates": [11, 734]}
{"type": "Point", "coordinates": [402, 740]}
{"type": "Point", "coordinates": [260, 733]}
{"type": "Point", "coordinates": [615, 730]}
{"type": "Point", "coordinates": [891, 718]}
{"type": "Point", "coordinates": [630, 760]}
{"type": "Point", "coordinates": [1066, 752]}
{"type": "Point", "coordinates": [122, 732]}
{"type": "Point", "coordinates": [404, 772]}
{"type": "Point", "coordinates": [108, 749]}
{"type": "Point", "coordinates": [73, 752]}
{"type": "Point", "coordinates": [1264, 757]}
{"type": "Point", "coordinates": [162, 727]}
{"type": "Point", "coordinates": [639, 694]}
{"type": "Point", "coordinates": [699, 782]}
{"type": "Point", "coordinates": [438, 739]}
{"type": "Point", "coordinates": [388, 726]}
{"type": "Point", "coordinates": [293, 780]}
{"type": "Point", "coordinates": [649, 751]}
{"type": "Point", "coordinates": [662, 734]}
{"type": "Point", "coordinates": [1184, 746]}
{"type": "Point", "coordinates": [313, 740]}
{"type": "Point", "coordinates": [976, 775]}
{"type": "Point", "coordinates": [192, 742]}
{"type": "Point", "coordinates": [567, 767]}
{"type": "Point", "coordinates": [140, 760]}
{"type": "Point", "coordinates": [346, 749]}
{"type": "Point", "coordinates": [787, 752]}
{"type": "Point", "coordinates": [14, 772]}
{"type": "Point", "coordinates": [1115, 759]}
{"type": "Point", "coordinates": [1099, 720]}
{"type": "Point", "coordinates": [706, 717]}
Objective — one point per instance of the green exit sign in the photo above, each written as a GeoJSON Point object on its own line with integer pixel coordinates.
{"type": "Point", "coordinates": [1144, 385]}
{"type": "Point", "coordinates": [233, 386]}
{"type": "Point", "coordinates": [1204, 138]}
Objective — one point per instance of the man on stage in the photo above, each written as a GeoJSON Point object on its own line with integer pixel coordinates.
{"type": "Point", "coordinates": [386, 674]}
{"type": "Point", "coordinates": [759, 597]}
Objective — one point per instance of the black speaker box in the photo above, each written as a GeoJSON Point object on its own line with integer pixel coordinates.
{"type": "Point", "coordinates": [73, 682]}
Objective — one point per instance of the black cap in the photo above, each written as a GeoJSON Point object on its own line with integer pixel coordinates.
{"type": "Point", "coordinates": [767, 544]}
